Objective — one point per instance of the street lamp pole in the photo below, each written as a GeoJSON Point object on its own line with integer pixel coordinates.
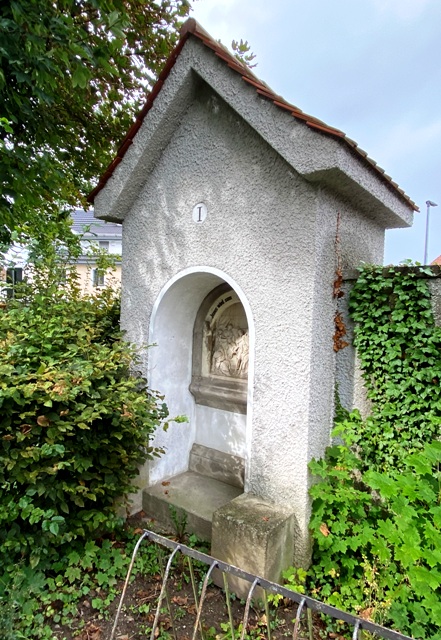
{"type": "Point", "coordinates": [429, 204]}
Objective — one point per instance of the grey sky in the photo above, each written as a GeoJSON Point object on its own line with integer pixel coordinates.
{"type": "Point", "coordinates": [369, 67]}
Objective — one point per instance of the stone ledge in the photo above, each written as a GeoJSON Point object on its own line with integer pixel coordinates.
{"type": "Point", "coordinates": [219, 393]}
{"type": "Point", "coordinates": [189, 492]}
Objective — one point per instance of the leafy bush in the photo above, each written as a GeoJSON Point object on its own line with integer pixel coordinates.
{"type": "Point", "coordinates": [75, 423]}
{"type": "Point", "coordinates": [376, 520]}
{"type": "Point", "coordinates": [377, 539]}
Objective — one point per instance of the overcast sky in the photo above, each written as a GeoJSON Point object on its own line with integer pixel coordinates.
{"type": "Point", "coordinates": [369, 67]}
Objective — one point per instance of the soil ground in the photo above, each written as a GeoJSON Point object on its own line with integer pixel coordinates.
{"type": "Point", "coordinates": [138, 613]}
{"type": "Point", "coordinates": [178, 613]}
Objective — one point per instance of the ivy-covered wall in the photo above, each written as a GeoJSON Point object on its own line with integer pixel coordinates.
{"type": "Point", "coordinates": [351, 386]}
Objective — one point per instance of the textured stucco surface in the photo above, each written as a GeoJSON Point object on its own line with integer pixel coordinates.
{"type": "Point", "coordinates": [270, 233]}
{"type": "Point", "coordinates": [257, 232]}
{"type": "Point", "coordinates": [349, 381]}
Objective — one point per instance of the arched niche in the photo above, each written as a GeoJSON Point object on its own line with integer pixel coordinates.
{"type": "Point", "coordinates": [185, 299]}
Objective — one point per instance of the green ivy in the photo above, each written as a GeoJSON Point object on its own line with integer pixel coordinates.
{"type": "Point", "coordinates": [399, 348]}
{"type": "Point", "coordinates": [376, 518]}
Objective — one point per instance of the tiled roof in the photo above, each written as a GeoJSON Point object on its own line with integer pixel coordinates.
{"type": "Point", "coordinates": [436, 261]}
{"type": "Point", "coordinates": [86, 219]}
{"type": "Point", "coordinates": [191, 27]}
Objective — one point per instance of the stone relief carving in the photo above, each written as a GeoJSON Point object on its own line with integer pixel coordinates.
{"type": "Point", "coordinates": [230, 353]}
{"type": "Point", "coordinates": [226, 339]}
{"type": "Point", "coordinates": [221, 352]}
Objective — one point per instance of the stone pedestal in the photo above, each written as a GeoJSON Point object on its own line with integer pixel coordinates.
{"type": "Point", "coordinates": [255, 535]}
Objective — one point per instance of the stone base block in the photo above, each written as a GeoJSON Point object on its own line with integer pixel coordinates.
{"type": "Point", "coordinates": [254, 535]}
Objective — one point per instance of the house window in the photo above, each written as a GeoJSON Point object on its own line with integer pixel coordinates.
{"type": "Point", "coordinates": [13, 277]}
{"type": "Point", "coordinates": [98, 278]}
{"type": "Point", "coordinates": [104, 245]}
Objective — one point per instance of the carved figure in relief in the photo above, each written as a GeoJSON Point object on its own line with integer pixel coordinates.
{"type": "Point", "coordinates": [230, 353]}
{"type": "Point", "coordinates": [243, 354]}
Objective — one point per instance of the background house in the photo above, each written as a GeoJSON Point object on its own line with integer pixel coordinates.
{"type": "Point", "coordinates": [97, 238]}
{"type": "Point", "coordinates": [15, 263]}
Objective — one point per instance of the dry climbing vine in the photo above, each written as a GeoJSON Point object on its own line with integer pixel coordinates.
{"type": "Point", "coordinates": [340, 328]}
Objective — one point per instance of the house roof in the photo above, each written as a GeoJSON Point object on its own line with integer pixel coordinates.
{"type": "Point", "coordinates": [437, 261]}
{"type": "Point", "coordinates": [193, 28]}
{"type": "Point", "coordinates": [85, 220]}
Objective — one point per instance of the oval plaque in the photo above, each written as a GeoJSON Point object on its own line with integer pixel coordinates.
{"type": "Point", "coordinates": [199, 212]}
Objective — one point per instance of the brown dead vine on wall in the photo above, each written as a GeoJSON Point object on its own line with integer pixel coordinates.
{"type": "Point", "coordinates": [339, 333]}
{"type": "Point", "coordinates": [340, 328]}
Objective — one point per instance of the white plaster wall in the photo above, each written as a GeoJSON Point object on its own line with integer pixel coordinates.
{"type": "Point", "coordinates": [171, 330]}
{"type": "Point", "coordinates": [351, 389]}
{"type": "Point", "coordinates": [361, 241]}
{"type": "Point", "coordinates": [222, 430]}
{"type": "Point", "coordinates": [170, 369]}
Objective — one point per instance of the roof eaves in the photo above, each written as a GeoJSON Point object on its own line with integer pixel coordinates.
{"type": "Point", "coordinates": [191, 27]}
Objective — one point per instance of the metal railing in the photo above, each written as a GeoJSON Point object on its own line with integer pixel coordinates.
{"type": "Point", "coordinates": [306, 605]}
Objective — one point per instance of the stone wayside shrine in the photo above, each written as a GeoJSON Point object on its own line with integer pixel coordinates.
{"type": "Point", "coordinates": [229, 199]}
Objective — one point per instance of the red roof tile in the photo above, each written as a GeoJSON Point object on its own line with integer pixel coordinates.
{"type": "Point", "coordinates": [191, 27]}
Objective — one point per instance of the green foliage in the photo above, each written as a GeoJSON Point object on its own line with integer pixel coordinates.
{"type": "Point", "coordinates": [32, 600]}
{"type": "Point", "coordinates": [179, 520]}
{"type": "Point", "coordinates": [294, 578]}
{"type": "Point", "coordinates": [73, 74]}
{"type": "Point", "coordinates": [376, 518]}
{"type": "Point", "coordinates": [377, 539]}
{"type": "Point", "coordinates": [7, 618]}
{"type": "Point", "coordinates": [400, 353]}
{"type": "Point", "coordinates": [243, 53]}
{"type": "Point", "coordinates": [75, 423]}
